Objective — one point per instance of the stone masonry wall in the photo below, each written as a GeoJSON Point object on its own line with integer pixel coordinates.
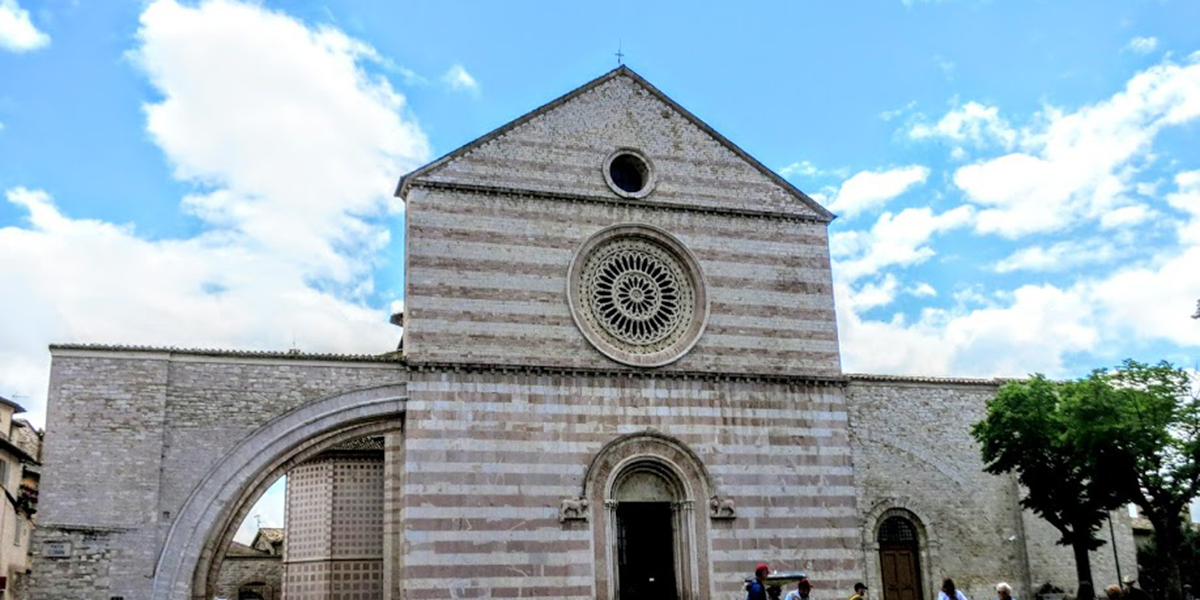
{"type": "Point", "coordinates": [913, 451]}
{"type": "Point", "coordinates": [237, 571]}
{"type": "Point", "coordinates": [561, 151]}
{"type": "Point", "coordinates": [490, 456]}
{"type": "Point", "coordinates": [131, 433]}
{"type": "Point", "coordinates": [1050, 562]}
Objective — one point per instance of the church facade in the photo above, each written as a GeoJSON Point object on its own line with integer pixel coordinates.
{"type": "Point", "coordinates": [619, 378]}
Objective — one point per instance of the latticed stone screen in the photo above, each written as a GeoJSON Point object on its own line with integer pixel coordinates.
{"type": "Point", "coordinates": [335, 528]}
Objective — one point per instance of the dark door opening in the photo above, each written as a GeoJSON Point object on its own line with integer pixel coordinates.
{"type": "Point", "coordinates": [646, 551]}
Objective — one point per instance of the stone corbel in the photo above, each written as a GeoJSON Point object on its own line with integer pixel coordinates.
{"type": "Point", "coordinates": [722, 509]}
{"type": "Point", "coordinates": [573, 509]}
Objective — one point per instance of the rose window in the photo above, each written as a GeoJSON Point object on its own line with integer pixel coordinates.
{"type": "Point", "coordinates": [635, 296]}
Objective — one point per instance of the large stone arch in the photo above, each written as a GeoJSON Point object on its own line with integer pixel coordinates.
{"type": "Point", "coordinates": [206, 522]}
{"type": "Point", "coordinates": [691, 483]}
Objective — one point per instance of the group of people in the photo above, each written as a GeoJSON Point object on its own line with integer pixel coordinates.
{"type": "Point", "coordinates": [760, 589]}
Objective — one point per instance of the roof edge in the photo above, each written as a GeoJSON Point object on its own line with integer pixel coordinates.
{"type": "Point", "coordinates": [882, 378]}
{"type": "Point", "coordinates": [223, 352]}
{"type": "Point", "coordinates": [402, 186]}
{"type": "Point", "coordinates": [822, 213]}
{"type": "Point", "coordinates": [17, 408]}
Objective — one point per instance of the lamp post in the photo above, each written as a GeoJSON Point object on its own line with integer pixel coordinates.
{"type": "Point", "coordinates": [1113, 536]}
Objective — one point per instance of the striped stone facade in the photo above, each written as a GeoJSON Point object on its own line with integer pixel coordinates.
{"type": "Point", "coordinates": [509, 437]}
{"type": "Point", "coordinates": [491, 456]}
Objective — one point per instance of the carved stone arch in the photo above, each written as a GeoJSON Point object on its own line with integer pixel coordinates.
{"type": "Point", "coordinates": [927, 541]}
{"type": "Point", "coordinates": [200, 533]}
{"type": "Point", "coordinates": [690, 484]}
{"type": "Point", "coordinates": [647, 443]}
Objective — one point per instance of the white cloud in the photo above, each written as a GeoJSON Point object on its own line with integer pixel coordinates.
{"type": "Point", "coordinates": [972, 123]}
{"type": "Point", "coordinates": [1057, 257]}
{"type": "Point", "coordinates": [1186, 198]}
{"type": "Point", "coordinates": [888, 115]}
{"type": "Point", "coordinates": [17, 32]}
{"type": "Point", "coordinates": [297, 147]}
{"type": "Point", "coordinates": [894, 240]}
{"type": "Point", "coordinates": [1080, 165]}
{"type": "Point", "coordinates": [946, 65]}
{"type": "Point", "coordinates": [1035, 327]}
{"type": "Point", "coordinates": [459, 80]}
{"type": "Point", "coordinates": [803, 168]}
{"type": "Point", "coordinates": [1126, 216]}
{"type": "Point", "coordinates": [870, 189]}
{"type": "Point", "coordinates": [237, 81]}
{"type": "Point", "coordinates": [922, 290]}
{"type": "Point", "coordinates": [1142, 45]}
{"type": "Point", "coordinates": [1033, 330]}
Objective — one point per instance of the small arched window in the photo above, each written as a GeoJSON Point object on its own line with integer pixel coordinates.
{"type": "Point", "coordinates": [897, 530]}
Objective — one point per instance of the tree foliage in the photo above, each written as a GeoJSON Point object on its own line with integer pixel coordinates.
{"type": "Point", "coordinates": [1082, 448]}
{"type": "Point", "coordinates": [1028, 431]}
{"type": "Point", "coordinates": [1143, 426]}
{"type": "Point", "coordinates": [1153, 566]}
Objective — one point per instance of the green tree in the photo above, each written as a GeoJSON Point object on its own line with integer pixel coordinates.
{"type": "Point", "coordinates": [1152, 566]}
{"type": "Point", "coordinates": [1141, 423]}
{"type": "Point", "coordinates": [1028, 431]}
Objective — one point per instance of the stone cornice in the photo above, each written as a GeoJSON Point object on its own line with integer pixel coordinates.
{"type": "Point", "coordinates": [921, 379]}
{"type": "Point", "coordinates": [489, 190]}
{"type": "Point", "coordinates": [395, 358]}
{"type": "Point", "coordinates": [167, 352]}
{"type": "Point", "coordinates": [516, 369]}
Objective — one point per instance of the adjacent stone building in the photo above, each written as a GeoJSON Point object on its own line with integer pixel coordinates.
{"type": "Point", "coordinates": [619, 378]}
{"type": "Point", "coordinates": [20, 474]}
{"type": "Point", "coordinates": [253, 572]}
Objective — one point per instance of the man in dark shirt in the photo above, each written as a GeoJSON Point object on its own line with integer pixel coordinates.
{"type": "Point", "coordinates": [757, 589]}
{"type": "Point", "coordinates": [1134, 593]}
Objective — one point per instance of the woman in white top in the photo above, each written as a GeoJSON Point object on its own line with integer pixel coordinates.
{"type": "Point", "coordinates": [949, 592]}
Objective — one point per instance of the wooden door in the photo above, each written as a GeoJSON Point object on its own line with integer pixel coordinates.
{"type": "Point", "coordinates": [901, 572]}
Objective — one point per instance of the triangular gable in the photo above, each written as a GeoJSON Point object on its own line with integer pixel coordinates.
{"type": "Point", "coordinates": [557, 148]}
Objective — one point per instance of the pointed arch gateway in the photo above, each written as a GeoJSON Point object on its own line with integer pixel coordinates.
{"type": "Point", "coordinates": [196, 542]}
{"type": "Point", "coordinates": [645, 488]}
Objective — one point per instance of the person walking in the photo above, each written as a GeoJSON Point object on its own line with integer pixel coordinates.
{"type": "Point", "coordinates": [949, 592]}
{"type": "Point", "coordinates": [860, 592]}
{"type": "Point", "coordinates": [1113, 592]}
{"type": "Point", "coordinates": [1132, 592]}
{"type": "Point", "coordinates": [1003, 591]}
{"type": "Point", "coordinates": [803, 588]}
{"type": "Point", "coordinates": [757, 589]}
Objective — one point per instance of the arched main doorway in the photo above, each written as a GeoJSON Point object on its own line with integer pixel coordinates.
{"type": "Point", "coordinates": [648, 521]}
{"type": "Point", "coordinates": [899, 559]}
{"type": "Point", "coordinates": [646, 487]}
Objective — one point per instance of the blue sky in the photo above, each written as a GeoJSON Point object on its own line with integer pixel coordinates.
{"type": "Point", "coordinates": [1018, 183]}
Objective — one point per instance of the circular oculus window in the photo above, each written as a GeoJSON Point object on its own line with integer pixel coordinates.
{"type": "Point", "coordinates": [629, 173]}
{"type": "Point", "coordinates": [638, 295]}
